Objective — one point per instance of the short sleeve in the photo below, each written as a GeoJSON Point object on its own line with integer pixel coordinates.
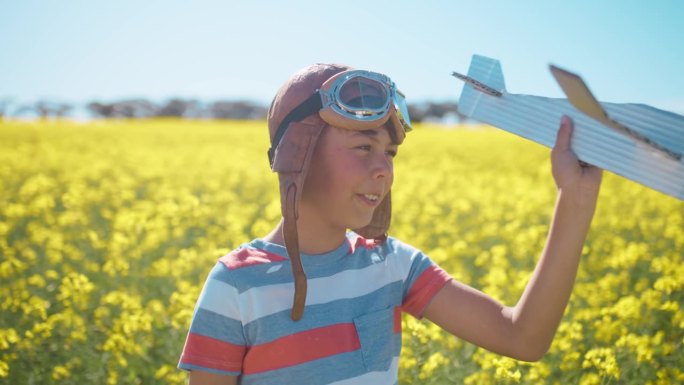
{"type": "Point", "coordinates": [424, 280]}
{"type": "Point", "coordinates": [215, 341]}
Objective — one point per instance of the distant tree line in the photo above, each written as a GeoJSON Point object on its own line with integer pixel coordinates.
{"type": "Point", "coordinates": [180, 108]}
{"type": "Point", "coordinates": [194, 109]}
{"type": "Point", "coordinates": [41, 108]}
{"type": "Point", "coordinates": [435, 111]}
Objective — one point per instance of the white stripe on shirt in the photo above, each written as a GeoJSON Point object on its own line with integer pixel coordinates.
{"type": "Point", "coordinates": [271, 299]}
{"type": "Point", "coordinates": [217, 296]}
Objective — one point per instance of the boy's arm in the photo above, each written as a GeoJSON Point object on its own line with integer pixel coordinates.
{"type": "Point", "coordinates": [525, 331]}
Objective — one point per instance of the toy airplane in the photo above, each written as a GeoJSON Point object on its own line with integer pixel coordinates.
{"type": "Point", "coordinates": [636, 141]}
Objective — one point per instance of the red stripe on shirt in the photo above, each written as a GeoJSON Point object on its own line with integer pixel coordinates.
{"type": "Point", "coordinates": [397, 319]}
{"type": "Point", "coordinates": [424, 288]}
{"type": "Point", "coordinates": [212, 353]}
{"type": "Point", "coordinates": [358, 241]}
{"type": "Point", "coordinates": [249, 257]}
{"type": "Point", "coordinates": [301, 347]}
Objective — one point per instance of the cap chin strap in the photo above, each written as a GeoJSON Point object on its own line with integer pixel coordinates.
{"type": "Point", "coordinates": [292, 246]}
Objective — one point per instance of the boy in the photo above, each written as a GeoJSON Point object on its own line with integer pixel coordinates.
{"type": "Point", "coordinates": [334, 133]}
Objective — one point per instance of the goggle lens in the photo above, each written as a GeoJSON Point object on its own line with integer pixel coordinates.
{"type": "Point", "coordinates": [363, 95]}
{"type": "Point", "coordinates": [402, 110]}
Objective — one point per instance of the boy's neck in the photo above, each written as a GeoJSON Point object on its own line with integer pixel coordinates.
{"type": "Point", "coordinates": [316, 241]}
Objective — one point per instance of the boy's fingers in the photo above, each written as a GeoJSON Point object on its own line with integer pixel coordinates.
{"type": "Point", "coordinates": [564, 132]}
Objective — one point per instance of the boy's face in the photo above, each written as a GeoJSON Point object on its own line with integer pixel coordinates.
{"type": "Point", "coordinates": [351, 172]}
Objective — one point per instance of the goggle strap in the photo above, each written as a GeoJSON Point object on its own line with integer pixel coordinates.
{"type": "Point", "coordinates": [306, 108]}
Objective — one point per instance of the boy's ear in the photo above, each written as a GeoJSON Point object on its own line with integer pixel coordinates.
{"type": "Point", "coordinates": [293, 150]}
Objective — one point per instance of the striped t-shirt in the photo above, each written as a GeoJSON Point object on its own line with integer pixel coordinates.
{"type": "Point", "coordinates": [351, 329]}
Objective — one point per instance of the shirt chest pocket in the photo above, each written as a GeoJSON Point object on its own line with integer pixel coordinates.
{"type": "Point", "coordinates": [380, 337]}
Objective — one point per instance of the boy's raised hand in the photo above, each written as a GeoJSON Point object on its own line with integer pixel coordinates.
{"type": "Point", "coordinates": [571, 176]}
{"type": "Point", "coordinates": [526, 330]}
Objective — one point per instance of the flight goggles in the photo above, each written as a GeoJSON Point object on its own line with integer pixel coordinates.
{"type": "Point", "coordinates": [355, 100]}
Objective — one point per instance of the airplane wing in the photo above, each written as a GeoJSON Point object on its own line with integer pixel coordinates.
{"type": "Point", "coordinates": [636, 141]}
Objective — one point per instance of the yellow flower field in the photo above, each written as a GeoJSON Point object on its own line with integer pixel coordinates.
{"type": "Point", "coordinates": [108, 230]}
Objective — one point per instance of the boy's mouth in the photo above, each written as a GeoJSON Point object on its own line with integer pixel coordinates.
{"type": "Point", "coordinates": [370, 199]}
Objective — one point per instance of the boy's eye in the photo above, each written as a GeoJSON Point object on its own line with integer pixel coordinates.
{"type": "Point", "coordinates": [368, 147]}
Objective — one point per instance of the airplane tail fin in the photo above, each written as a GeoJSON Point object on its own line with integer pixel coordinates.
{"type": "Point", "coordinates": [487, 71]}
{"type": "Point", "coordinates": [485, 77]}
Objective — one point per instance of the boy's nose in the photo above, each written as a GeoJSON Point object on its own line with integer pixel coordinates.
{"type": "Point", "coordinates": [382, 167]}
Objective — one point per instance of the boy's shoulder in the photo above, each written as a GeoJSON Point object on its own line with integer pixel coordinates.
{"type": "Point", "coordinates": [250, 255]}
{"type": "Point", "coordinates": [259, 252]}
{"type": "Point", "coordinates": [260, 264]}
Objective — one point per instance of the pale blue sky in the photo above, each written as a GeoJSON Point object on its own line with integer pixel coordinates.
{"type": "Point", "coordinates": [80, 50]}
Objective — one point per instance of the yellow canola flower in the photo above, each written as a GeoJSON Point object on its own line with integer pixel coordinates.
{"type": "Point", "coordinates": [506, 369]}
{"type": "Point", "coordinates": [602, 359]}
{"type": "Point", "coordinates": [116, 265]}
{"type": "Point", "coordinates": [670, 306]}
{"type": "Point", "coordinates": [36, 280]}
{"type": "Point", "coordinates": [607, 329]}
{"type": "Point", "coordinates": [570, 360]}
{"type": "Point", "coordinates": [407, 363]}
{"type": "Point", "coordinates": [36, 305]}
{"type": "Point", "coordinates": [51, 274]}
{"type": "Point", "coordinates": [652, 299]}
{"type": "Point", "coordinates": [668, 284]}
{"type": "Point", "coordinates": [75, 290]}
{"type": "Point", "coordinates": [640, 345]}
{"type": "Point", "coordinates": [481, 377]}
{"type": "Point", "coordinates": [4, 369]}
{"type": "Point", "coordinates": [112, 378]}
{"type": "Point", "coordinates": [11, 266]}
{"type": "Point", "coordinates": [590, 378]}
{"type": "Point", "coordinates": [8, 337]}
{"type": "Point", "coordinates": [538, 372]}
{"type": "Point", "coordinates": [170, 375]}
{"type": "Point", "coordinates": [434, 361]}
{"type": "Point", "coordinates": [627, 309]}
{"type": "Point", "coordinates": [60, 372]}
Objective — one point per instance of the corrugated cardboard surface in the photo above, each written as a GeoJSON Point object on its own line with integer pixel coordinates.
{"type": "Point", "coordinates": [537, 118]}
